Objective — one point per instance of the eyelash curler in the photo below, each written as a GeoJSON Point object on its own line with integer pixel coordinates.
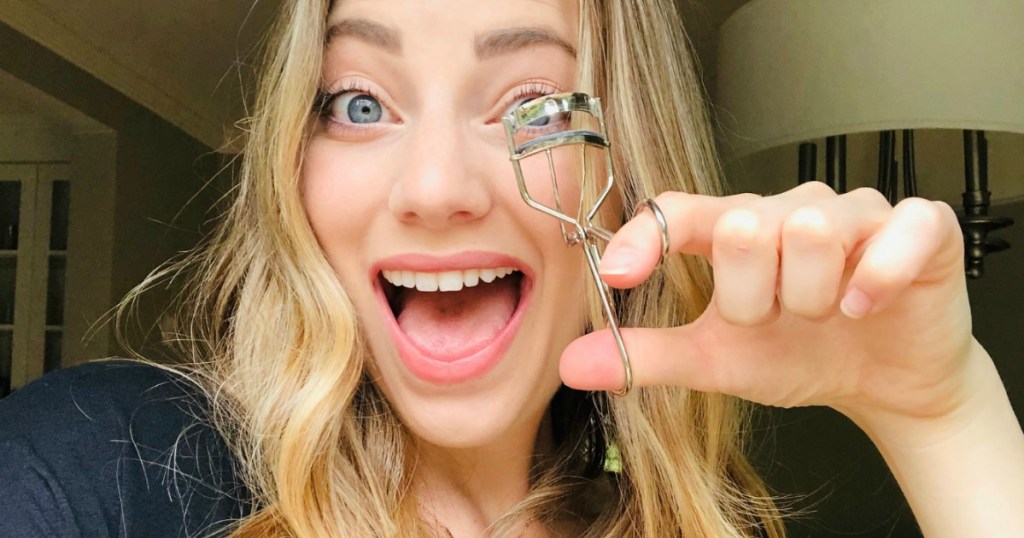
{"type": "Point", "coordinates": [561, 120]}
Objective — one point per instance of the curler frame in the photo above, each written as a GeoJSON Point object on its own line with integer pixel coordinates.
{"type": "Point", "coordinates": [581, 229]}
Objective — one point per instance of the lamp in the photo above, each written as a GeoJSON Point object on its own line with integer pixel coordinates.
{"type": "Point", "coordinates": [793, 71]}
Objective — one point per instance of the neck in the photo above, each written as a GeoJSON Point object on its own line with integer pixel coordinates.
{"type": "Point", "coordinates": [465, 490]}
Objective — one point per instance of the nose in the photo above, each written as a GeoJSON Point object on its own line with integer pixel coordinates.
{"type": "Point", "coordinates": [439, 186]}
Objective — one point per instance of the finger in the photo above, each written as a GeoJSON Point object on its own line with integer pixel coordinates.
{"type": "Point", "coordinates": [592, 362]}
{"type": "Point", "coordinates": [912, 239]}
{"type": "Point", "coordinates": [633, 253]}
{"type": "Point", "coordinates": [817, 242]}
{"type": "Point", "coordinates": [745, 258]}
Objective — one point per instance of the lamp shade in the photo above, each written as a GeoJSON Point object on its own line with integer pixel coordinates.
{"type": "Point", "coordinates": [794, 70]}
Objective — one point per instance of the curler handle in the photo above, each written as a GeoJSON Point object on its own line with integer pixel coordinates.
{"type": "Point", "coordinates": [593, 256]}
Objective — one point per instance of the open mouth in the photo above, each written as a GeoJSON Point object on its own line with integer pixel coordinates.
{"type": "Point", "coordinates": [453, 315]}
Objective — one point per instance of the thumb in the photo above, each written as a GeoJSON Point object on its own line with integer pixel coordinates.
{"type": "Point", "coordinates": [657, 356]}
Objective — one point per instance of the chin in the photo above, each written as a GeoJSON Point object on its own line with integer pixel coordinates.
{"type": "Point", "coordinates": [469, 415]}
{"type": "Point", "coordinates": [464, 425]}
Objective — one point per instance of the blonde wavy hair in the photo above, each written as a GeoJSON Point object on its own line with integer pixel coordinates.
{"type": "Point", "coordinates": [271, 339]}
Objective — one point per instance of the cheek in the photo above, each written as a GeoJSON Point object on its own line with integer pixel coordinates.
{"type": "Point", "coordinates": [339, 199]}
{"type": "Point", "coordinates": [580, 178]}
{"type": "Point", "coordinates": [555, 182]}
{"type": "Point", "coordinates": [566, 276]}
{"type": "Point", "coordinates": [578, 187]}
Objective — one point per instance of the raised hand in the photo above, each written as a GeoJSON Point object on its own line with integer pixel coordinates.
{"type": "Point", "coordinates": [820, 299]}
{"type": "Point", "coordinates": [844, 301]}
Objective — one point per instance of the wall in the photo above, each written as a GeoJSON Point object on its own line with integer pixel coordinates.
{"type": "Point", "coordinates": [89, 283]}
{"type": "Point", "coordinates": [27, 138]}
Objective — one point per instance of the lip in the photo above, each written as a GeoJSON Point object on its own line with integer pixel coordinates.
{"type": "Point", "coordinates": [475, 364]}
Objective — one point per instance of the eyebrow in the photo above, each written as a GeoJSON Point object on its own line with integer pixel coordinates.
{"type": "Point", "coordinates": [511, 40]}
{"type": "Point", "coordinates": [487, 46]}
{"type": "Point", "coordinates": [368, 31]}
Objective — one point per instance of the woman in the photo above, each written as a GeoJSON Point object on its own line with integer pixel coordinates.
{"type": "Point", "coordinates": [354, 405]}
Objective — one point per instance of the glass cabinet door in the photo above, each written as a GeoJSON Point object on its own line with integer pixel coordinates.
{"type": "Point", "coordinates": [33, 262]}
{"type": "Point", "coordinates": [57, 252]}
{"type": "Point", "coordinates": [13, 181]}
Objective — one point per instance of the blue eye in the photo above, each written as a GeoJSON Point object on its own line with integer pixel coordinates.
{"type": "Point", "coordinates": [352, 107]}
{"type": "Point", "coordinates": [358, 108]}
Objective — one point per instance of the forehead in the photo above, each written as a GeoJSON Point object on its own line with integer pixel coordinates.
{"type": "Point", "coordinates": [450, 20]}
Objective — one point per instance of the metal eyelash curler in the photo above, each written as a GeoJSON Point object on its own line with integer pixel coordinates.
{"type": "Point", "coordinates": [560, 120]}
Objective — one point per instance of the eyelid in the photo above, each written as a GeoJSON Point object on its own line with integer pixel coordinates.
{"type": "Point", "coordinates": [530, 88]}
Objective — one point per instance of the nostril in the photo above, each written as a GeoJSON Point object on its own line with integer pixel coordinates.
{"type": "Point", "coordinates": [462, 216]}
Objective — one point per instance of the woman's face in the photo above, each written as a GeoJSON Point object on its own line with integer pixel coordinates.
{"type": "Point", "coordinates": [407, 182]}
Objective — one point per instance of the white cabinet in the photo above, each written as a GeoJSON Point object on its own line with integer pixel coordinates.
{"type": "Point", "coordinates": [34, 208]}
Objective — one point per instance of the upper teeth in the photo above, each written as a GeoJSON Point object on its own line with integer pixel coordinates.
{"type": "Point", "coordinates": [445, 280]}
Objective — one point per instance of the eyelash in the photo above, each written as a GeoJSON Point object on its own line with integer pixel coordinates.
{"type": "Point", "coordinates": [530, 89]}
{"type": "Point", "coordinates": [322, 102]}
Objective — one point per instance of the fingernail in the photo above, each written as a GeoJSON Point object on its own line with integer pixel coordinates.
{"type": "Point", "coordinates": [856, 304]}
{"type": "Point", "coordinates": [616, 262]}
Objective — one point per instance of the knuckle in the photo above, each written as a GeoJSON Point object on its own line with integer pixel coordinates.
{"type": "Point", "coordinates": [674, 198]}
{"type": "Point", "coordinates": [670, 197]}
{"type": "Point", "coordinates": [747, 197]}
{"type": "Point", "coordinates": [740, 229]}
{"type": "Point", "coordinates": [870, 196]}
{"type": "Point", "coordinates": [944, 208]}
{"type": "Point", "coordinates": [949, 217]}
{"type": "Point", "coordinates": [816, 189]}
{"type": "Point", "coordinates": [924, 214]}
{"type": "Point", "coordinates": [671, 202]}
{"type": "Point", "coordinates": [808, 225]}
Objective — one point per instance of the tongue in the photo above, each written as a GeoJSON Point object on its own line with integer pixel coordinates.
{"type": "Point", "coordinates": [451, 325]}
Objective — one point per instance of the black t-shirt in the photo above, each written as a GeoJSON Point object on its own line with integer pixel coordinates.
{"type": "Point", "coordinates": [113, 448]}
